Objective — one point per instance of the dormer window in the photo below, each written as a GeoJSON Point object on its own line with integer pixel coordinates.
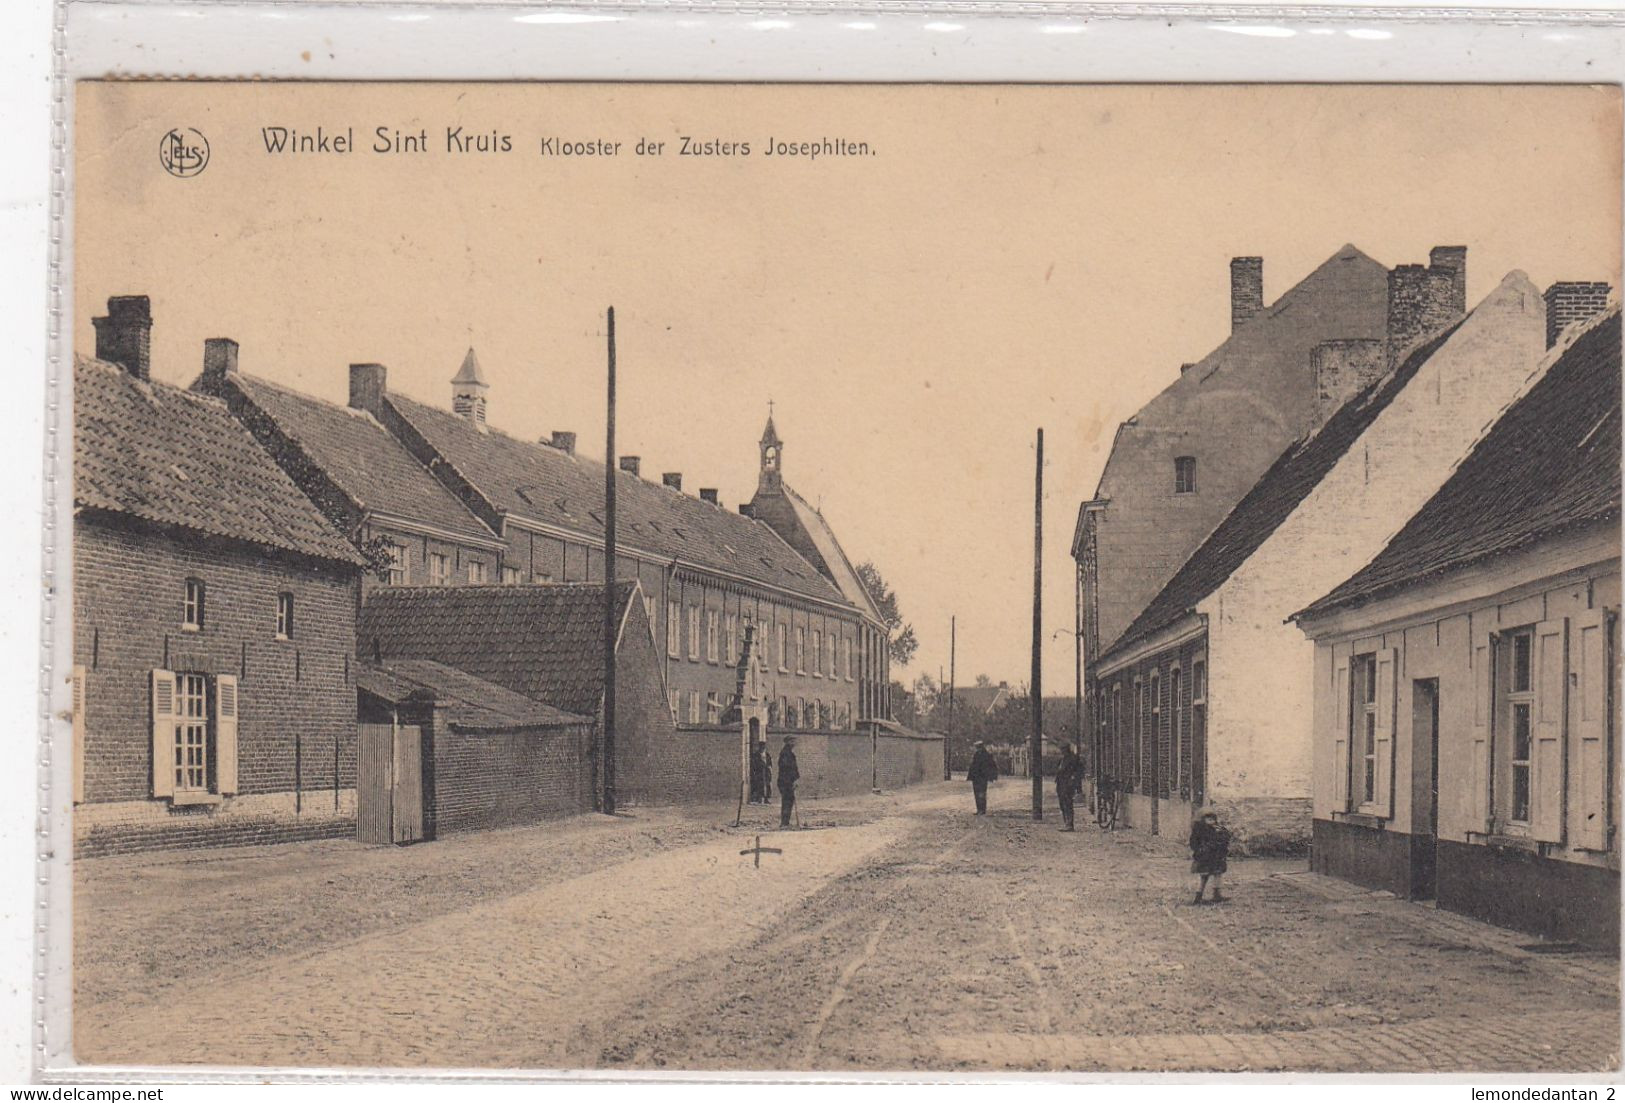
{"type": "Point", "coordinates": [1185, 475]}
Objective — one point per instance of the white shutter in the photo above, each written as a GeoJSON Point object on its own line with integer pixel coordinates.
{"type": "Point", "coordinates": [78, 735]}
{"type": "Point", "coordinates": [163, 733]}
{"type": "Point", "coordinates": [1340, 736]}
{"type": "Point", "coordinates": [1478, 767]}
{"type": "Point", "coordinates": [1387, 669]}
{"type": "Point", "coordinates": [225, 733]}
{"type": "Point", "coordinates": [1547, 760]}
{"type": "Point", "coordinates": [1588, 660]}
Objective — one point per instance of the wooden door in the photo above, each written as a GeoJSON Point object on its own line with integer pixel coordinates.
{"type": "Point", "coordinates": [408, 789]}
{"type": "Point", "coordinates": [375, 784]}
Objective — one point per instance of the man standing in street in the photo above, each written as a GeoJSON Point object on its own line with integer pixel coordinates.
{"type": "Point", "coordinates": [1068, 782]}
{"type": "Point", "coordinates": [788, 776]}
{"type": "Point", "coordinates": [982, 770]}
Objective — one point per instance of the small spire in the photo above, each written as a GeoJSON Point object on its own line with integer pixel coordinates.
{"type": "Point", "coordinates": [470, 371]}
{"type": "Point", "coordinates": [770, 435]}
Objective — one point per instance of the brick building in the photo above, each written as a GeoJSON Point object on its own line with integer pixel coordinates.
{"type": "Point", "coordinates": [1465, 714]}
{"type": "Point", "coordinates": [213, 621]}
{"type": "Point", "coordinates": [1206, 696]}
{"type": "Point", "coordinates": [1180, 464]}
{"type": "Point", "coordinates": [705, 572]}
{"type": "Point", "coordinates": [361, 477]}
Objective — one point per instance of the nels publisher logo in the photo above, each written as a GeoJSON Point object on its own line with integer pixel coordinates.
{"type": "Point", "coordinates": [183, 152]}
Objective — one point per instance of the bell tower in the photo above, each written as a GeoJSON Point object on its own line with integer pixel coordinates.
{"type": "Point", "coordinates": [771, 479]}
{"type": "Point", "coordinates": [468, 388]}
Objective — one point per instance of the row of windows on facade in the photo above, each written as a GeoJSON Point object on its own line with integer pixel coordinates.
{"type": "Point", "coordinates": [1533, 690]}
{"type": "Point", "coordinates": [831, 655]}
{"type": "Point", "coordinates": [1143, 720]}
{"type": "Point", "coordinates": [194, 609]}
{"type": "Point", "coordinates": [440, 569]}
{"type": "Point", "coordinates": [799, 713]}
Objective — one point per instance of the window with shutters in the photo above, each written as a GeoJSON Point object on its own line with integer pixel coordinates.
{"type": "Point", "coordinates": [439, 569]}
{"type": "Point", "coordinates": [284, 616]}
{"type": "Point", "coordinates": [1519, 710]}
{"type": "Point", "coordinates": [191, 746]}
{"type": "Point", "coordinates": [674, 633]}
{"type": "Point", "coordinates": [1364, 672]}
{"type": "Point", "coordinates": [192, 614]}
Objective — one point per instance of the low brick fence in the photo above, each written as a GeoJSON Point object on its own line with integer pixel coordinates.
{"type": "Point", "coordinates": [503, 780]}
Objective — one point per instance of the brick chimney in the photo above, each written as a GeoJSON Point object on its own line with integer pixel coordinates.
{"type": "Point", "coordinates": [673, 479]}
{"type": "Point", "coordinates": [744, 509]}
{"type": "Point", "coordinates": [1570, 303]}
{"type": "Point", "coordinates": [368, 385]}
{"type": "Point", "coordinates": [1342, 369]}
{"type": "Point", "coordinates": [1246, 289]}
{"type": "Point", "coordinates": [564, 441]}
{"type": "Point", "coordinates": [219, 358]}
{"type": "Point", "coordinates": [631, 464]}
{"type": "Point", "coordinates": [709, 494]}
{"type": "Point", "coordinates": [124, 334]}
{"type": "Point", "coordinates": [1424, 300]}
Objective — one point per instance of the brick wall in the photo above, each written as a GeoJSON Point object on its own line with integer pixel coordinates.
{"type": "Point", "coordinates": [296, 729]}
{"type": "Point", "coordinates": [486, 781]}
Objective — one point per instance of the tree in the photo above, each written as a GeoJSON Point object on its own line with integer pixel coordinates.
{"type": "Point", "coordinates": [903, 644]}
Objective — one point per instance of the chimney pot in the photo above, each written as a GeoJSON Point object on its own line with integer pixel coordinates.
{"type": "Point", "coordinates": [564, 441]}
{"type": "Point", "coordinates": [219, 357]}
{"type": "Point", "coordinates": [124, 334]}
{"type": "Point", "coordinates": [1246, 289]}
{"type": "Point", "coordinates": [368, 385]}
{"type": "Point", "coordinates": [673, 479]}
{"type": "Point", "coordinates": [1570, 303]}
{"type": "Point", "coordinates": [708, 494]}
{"type": "Point", "coordinates": [631, 464]}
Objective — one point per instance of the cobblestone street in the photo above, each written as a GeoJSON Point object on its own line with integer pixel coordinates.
{"type": "Point", "coordinates": [895, 932]}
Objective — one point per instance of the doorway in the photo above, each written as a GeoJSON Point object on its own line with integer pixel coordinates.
{"type": "Point", "coordinates": [389, 784]}
{"type": "Point", "coordinates": [1424, 787]}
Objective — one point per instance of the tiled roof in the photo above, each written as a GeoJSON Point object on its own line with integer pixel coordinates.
{"type": "Point", "coordinates": [548, 486]}
{"type": "Point", "coordinates": [542, 641]}
{"type": "Point", "coordinates": [172, 457]}
{"type": "Point", "coordinates": [471, 704]}
{"type": "Point", "coordinates": [830, 551]}
{"type": "Point", "coordinates": [365, 461]}
{"type": "Point", "coordinates": [1271, 501]}
{"type": "Point", "coordinates": [1550, 463]}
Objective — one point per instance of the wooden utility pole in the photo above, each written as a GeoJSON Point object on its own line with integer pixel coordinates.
{"type": "Point", "coordinates": [610, 619]}
{"type": "Point", "coordinates": [1077, 690]}
{"type": "Point", "coordinates": [1035, 749]}
{"type": "Point", "coordinates": [953, 652]}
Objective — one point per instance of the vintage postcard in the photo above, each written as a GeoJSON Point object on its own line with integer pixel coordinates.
{"type": "Point", "coordinates": [770, 578]}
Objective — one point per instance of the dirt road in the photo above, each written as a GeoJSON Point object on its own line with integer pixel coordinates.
{"type": "Point", "coordinates": [897, 932]}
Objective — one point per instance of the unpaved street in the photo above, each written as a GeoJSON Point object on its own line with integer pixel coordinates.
{"type": "Point", "coordinates": [895, 932]}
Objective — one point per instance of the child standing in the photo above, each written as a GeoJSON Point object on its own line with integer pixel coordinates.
{"type": "Point", "coordinates": [1210, 846]}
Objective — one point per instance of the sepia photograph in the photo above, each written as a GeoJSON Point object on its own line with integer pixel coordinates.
{"type": "Point", "coordinates": [783, 579]}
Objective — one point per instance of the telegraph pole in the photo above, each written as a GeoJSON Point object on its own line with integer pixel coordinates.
{"type": "Point", "coordinates": [1035, 749]}
{"type": "Point", "coordinates": [610, 618]}
{"type": "Point", "coordinates": [953, 649]}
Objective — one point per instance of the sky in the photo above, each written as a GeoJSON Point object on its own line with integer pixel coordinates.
{"type": "Point", "coordinates": [999, 259]}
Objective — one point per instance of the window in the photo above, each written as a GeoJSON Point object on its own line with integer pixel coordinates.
{"type": "Point", "coordinates": [830, 655]}
{"type": "Point", "coordinates": [191, 763]}
{"type": "Point", "coordinates": [674, 632]}
{"type": "Point", "coordinates": [649, 613]}
{"type": "Point", "coordinates": [284, 616]}
{"type": "Point", "coordinates": [694, 631]}
{"type": "Point", "coordinates": [1364, 673]}
{"type": "Point", "coordinates": [1154, 711]}
{"type": "Point", "coordinates": [817, 654]}
{"type": "Point", "coordinates": [730, 635]}
{"type": "Point", "coordinates": [1176, 734]}
{"type": "Point", "coordinates": [397, 564]}
{"type": "Point", "coordinates": [848, 643]}
{"type": "Point", "coordinates": [439, 569]}
{"type": "Point", "coordinates": [1520, 717]}
{"type": "Point", "coordinates": [801, 651]}
{"type": "Point", "coordinates": [713, 707]}
{"type": "Point", "coordinates": [693, 706]}
{"type": "Point", "coordinates": [512, 576]}
{"type": "Point", "coordinates": [192, 618]}
{"type": "Point", "coordinates": [1185, 475]}
{"type": "Point", "coordinates": [676, 706]}
{"type": "Point", "coordinates": [542, 577]}
{"type": "Point", "coordinates": [1117, 723]}
{"type": "Point", "coordinates": [801, 713]}
{"type": "Point", "coordinates": [784, 651]}
{"type": "Point", "coordinates": [478, 572]}
{"type": "Point", "coordinates": [711, 650]}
